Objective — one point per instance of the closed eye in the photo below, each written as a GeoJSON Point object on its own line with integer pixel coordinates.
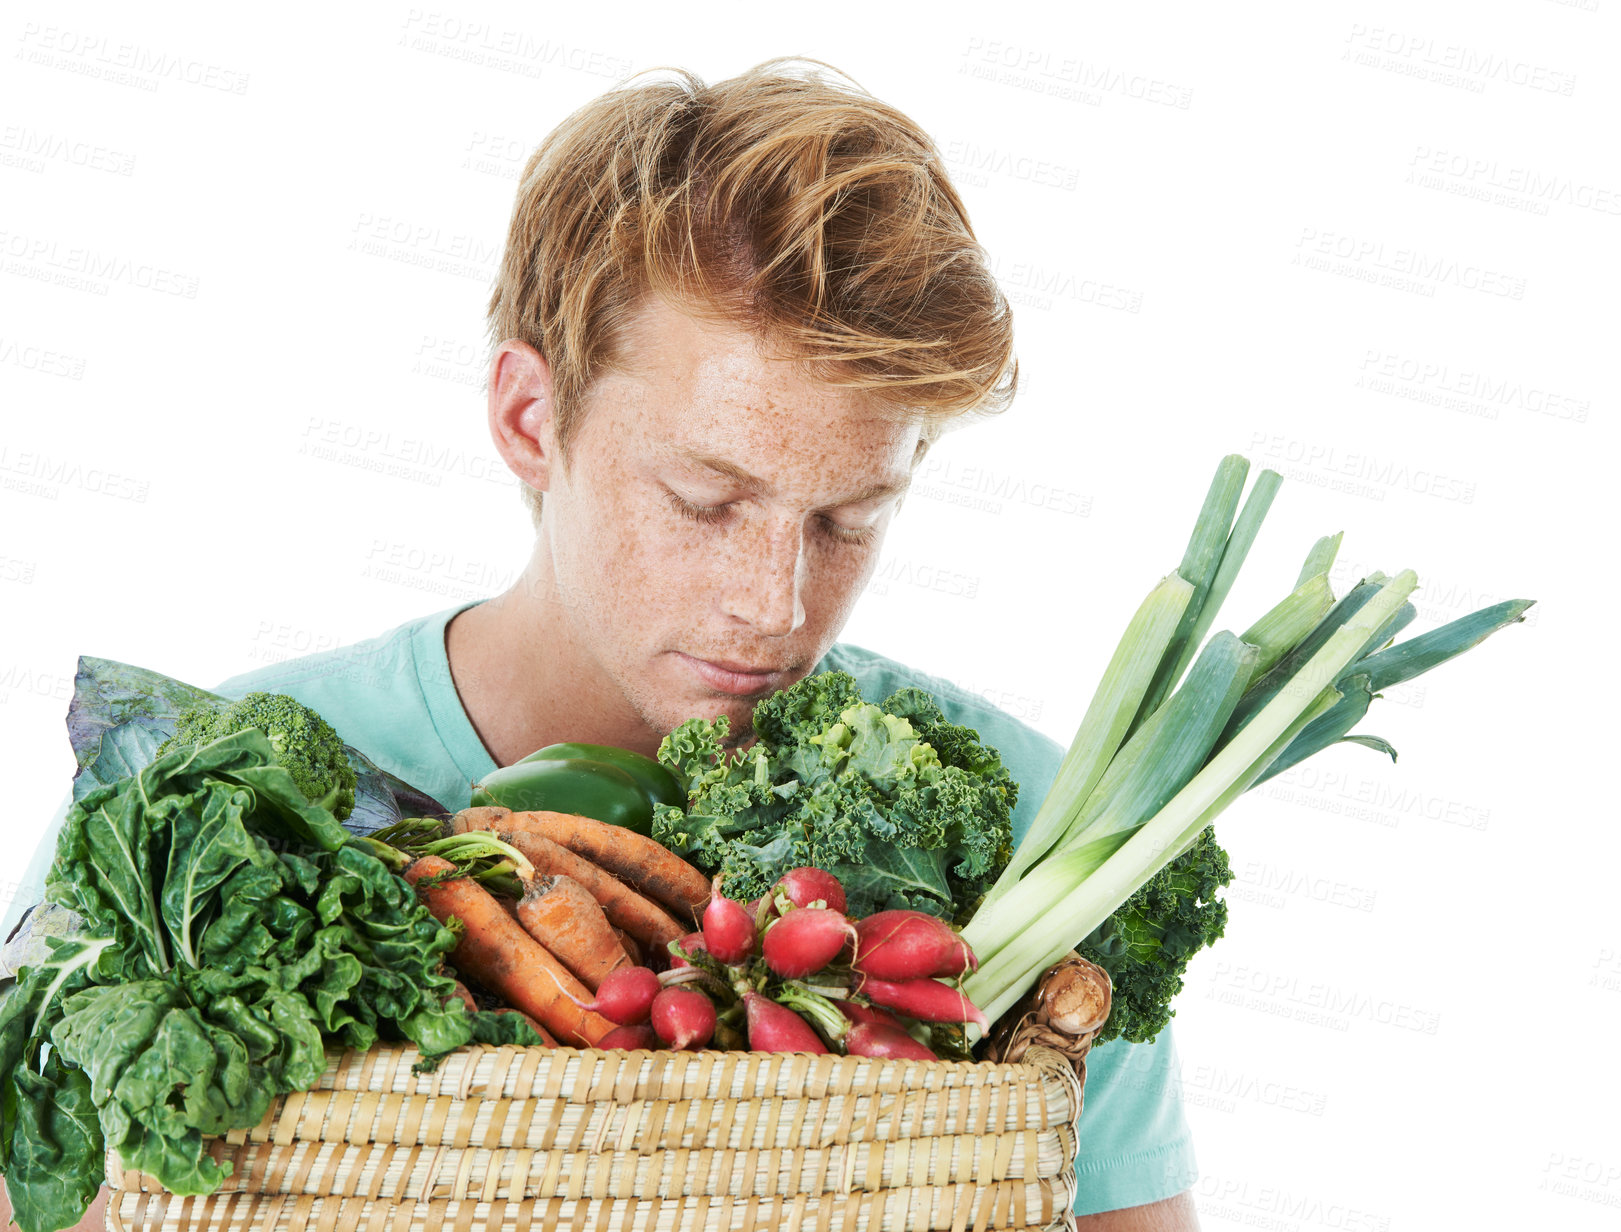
{"type": "Point", "coordinates": [708, 514]}
{"type": "Point", "coordinates": [848, 534]}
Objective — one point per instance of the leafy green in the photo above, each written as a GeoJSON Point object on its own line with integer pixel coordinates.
{"type": "Point", "coordinates": [230, 932]}
{"type": "Point", "coordinates": [904, 807]}
{"type": "Point", "coordinates": [1146, 945]}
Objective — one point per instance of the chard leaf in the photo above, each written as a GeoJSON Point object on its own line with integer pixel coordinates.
{"type": "Point", "coordinates": [104, 858]}
{"type": "Point", "coordinates": [55, 1168]}
{"type": "Point", "coordinates": [206, 845]}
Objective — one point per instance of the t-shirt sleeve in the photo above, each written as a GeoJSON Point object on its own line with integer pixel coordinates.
{"type": "Point", "coordinates": [1134, 1143]}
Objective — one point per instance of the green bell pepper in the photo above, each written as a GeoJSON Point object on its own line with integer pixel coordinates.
{"type": "Point", "coordinates": [593, 780]}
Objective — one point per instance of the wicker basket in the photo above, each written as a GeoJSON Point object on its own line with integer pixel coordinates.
{"type": "Point", "coordinates": [509, 1139]}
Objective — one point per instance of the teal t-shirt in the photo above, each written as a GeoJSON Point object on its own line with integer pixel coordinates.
{"type": "Point", "coordinates": [392, 697]}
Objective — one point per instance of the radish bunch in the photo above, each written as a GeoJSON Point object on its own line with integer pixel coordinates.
{"type": "Point", "coordinates": [790, 972]}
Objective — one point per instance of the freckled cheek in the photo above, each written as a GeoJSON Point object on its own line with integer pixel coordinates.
{"type": "Point", "coordinates": [832, 585]}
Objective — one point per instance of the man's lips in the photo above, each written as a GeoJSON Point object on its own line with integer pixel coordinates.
{"type": "Point", "coordinates": [729, 676]}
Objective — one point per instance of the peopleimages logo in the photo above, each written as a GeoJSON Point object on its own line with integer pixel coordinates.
{"type": "Point", "coordinates": [1403, 269]}
{"type": "Point", "coordinates": [87, 269]}
{"type": "Point", "coordinates": [122, 62]}
{"type": "Point", "coordinates": [1356, 472]}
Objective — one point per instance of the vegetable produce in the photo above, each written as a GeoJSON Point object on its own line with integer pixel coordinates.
{"type": "Point", "coordinates": [625, 908]}
{"type": "Point", "coordinates": [231, 930]}
{"type": "Point", "coordinates": [305, 744]}
{"type": "Point", "coordinates": [809, 887]}
{"type": "Point", "coordinates": [560, 913]}
{"type": "Point", "coordinates": [904, 808]}
{"type": "Point", "coordinates": [858, 1014]}
{"type": "Point", "coordinates": [626, 996]}
{"type": "Point", "coordinates": [924, 999]}
{"type": "Point", "coordinates": [682, 1018]}
{"type": "Point", "coordinates": [1146, 944]}
{"type": "Point", "coordinates": [1118, 860]}
{"type": "Point", "coordinates": [873, 1039]}
{"type": "Point", "coordinates": [121, 715]}
{"type": "Point", "coordinates": [805, 940]}
{"type": "Point", "coordinates": [495, 950]}
{"type": "Point", "coordinates": [728, 929]}
{"type": "Point", "coordinates": [612, 785]}
{"type": "Point", "coordinates": [788, 990]}
{"type": "Point", "coordinates": [636, 860]}
{"type": "Point", "coordinates": [641, 1036]}
{"type": "Point", "coordinates": [898, 944]}
{"type": "Point", "coordinates": [776, 1028]}
{"type": "Point", "coordinates": [692, 943]}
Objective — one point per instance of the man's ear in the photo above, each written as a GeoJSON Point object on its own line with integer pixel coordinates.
{"type": "Point", "coordinates": [520, 409]}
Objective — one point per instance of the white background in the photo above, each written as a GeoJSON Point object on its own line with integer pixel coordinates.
{"type": "Point", "coordinates": [1371, 245]}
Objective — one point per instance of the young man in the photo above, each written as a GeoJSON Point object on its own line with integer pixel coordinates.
{"type": "Point", "coordinates": [729, 321]}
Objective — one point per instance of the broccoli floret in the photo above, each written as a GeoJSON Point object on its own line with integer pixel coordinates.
{"type": "Point", "coordinates": [305, 744]}
{"type": "Point", "coordinates": [1146, 944]}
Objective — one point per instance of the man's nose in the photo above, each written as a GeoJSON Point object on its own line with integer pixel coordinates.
{"type": "Point", "coordinates": [766, 580]}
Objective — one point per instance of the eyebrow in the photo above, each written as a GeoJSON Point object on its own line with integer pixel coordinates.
{"type": "Point", "coordinates": [754, 484]}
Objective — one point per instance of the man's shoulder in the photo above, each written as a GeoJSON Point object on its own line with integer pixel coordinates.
{"type": "Point", "coordinates": [374, 662]}
{"type": "Point", "coordinates": [1031, 756]}
{"type": "Point", "coordinates": [878, 675]}
{"type": "Point", "coordinates": [355, 685]}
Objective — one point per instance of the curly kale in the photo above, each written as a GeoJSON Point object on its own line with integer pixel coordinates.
{"type": "Point", "coordinates": [305, 744]}
{"type": "Point", "coordinates": [1146, 944]}
{"type": "Point", "coordinates": [904, 807]}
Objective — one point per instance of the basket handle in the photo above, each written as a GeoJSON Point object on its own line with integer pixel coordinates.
{"type": "Point", "coordinates": [1061, 1016]}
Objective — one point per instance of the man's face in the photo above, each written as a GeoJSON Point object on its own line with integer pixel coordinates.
{"type": "Point", "coordinates": [717, 518]}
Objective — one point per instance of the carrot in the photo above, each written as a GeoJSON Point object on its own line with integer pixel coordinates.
{"type": "Point", "coordinates": [462, 994]}
{"type": "Point", "coordinates": [640, 917]}
{"type": "Point", "coordinates": [477, 818]}
{"type": "Point", "coordinates": [633, 948]}
{"type": "Point", "coordinates": [495, 951]}
{"type": "Point", "coordinates": [634, 858]}
{"type": "Point", "coordinates": [560, 913]}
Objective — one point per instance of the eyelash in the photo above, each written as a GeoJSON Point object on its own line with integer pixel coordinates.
{"type": "Point", "coordinates": [709, 515]}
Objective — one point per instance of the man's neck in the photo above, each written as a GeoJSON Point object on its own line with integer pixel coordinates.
{"type": "Point", "coordinates": [524, 681]}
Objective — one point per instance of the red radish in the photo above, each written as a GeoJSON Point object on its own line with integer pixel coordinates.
{"type": "Point", "coordinates": [692, 942]}
{"type": "Point", "coordinates": [925, 1000]}
{"type": "Point", "coordinates": [626, 996]}
{"type": "Point", "coordinates": [683, 1018]}
{"type": "Point", "coordinates": [868, 1013]}
{"type": "Point", "coordinates": [776, 1028]}
{"type": "Point", "coordinates": [630, 1037]}
{"type": "Point", "coordinates": [803, 886]}
{"type": "Point", "coordinates": [909, 945]}
{"type": "Point", "coordinates": [871, 1039]}
{"type": "Point", "coordinates": [805, 940]}
{"type": "Point", "coordinates": [728, 929]}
